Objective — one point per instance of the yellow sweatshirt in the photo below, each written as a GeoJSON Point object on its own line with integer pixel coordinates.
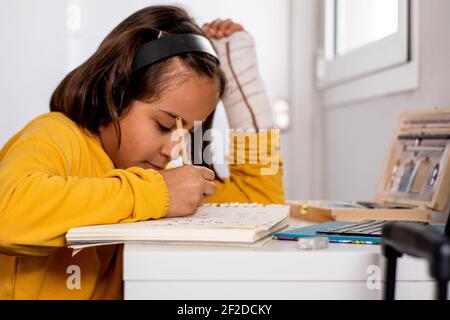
{"type": "Point", "coordinates": [55, 176]}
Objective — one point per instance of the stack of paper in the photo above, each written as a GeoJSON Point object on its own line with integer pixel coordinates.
{"type": "Point", "coordinates": [237, 224]}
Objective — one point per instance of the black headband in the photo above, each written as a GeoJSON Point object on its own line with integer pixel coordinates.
{"type": "Point", "coordinates": [172, 45]}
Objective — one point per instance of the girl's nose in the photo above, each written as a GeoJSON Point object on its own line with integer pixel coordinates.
{"type": "Point", "coordinates": [171, 150]}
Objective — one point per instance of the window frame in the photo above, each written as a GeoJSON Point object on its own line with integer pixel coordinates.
{"type": "Point", "coordinates": [365, 62]}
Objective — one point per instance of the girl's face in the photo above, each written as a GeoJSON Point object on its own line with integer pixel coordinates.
{"type": "Point", "coordinates": [147, 127]}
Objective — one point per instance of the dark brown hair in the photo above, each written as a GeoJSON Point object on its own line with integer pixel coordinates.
{"type": "Point", "coordinates": [98, 91]}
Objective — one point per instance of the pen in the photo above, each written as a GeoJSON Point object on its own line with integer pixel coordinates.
{"type": "Point", "coordinates": [184, 155]}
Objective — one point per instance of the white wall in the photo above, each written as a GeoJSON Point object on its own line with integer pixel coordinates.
{"type": "Point", "coordinates": [32, 59]}
{"type": "Point", "coordinates": [304, 145]}
{"type": "Point", "coordinates": [357, 136]}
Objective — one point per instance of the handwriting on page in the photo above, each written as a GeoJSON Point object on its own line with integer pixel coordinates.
{"type": "Point", "coordinates": [226, 216]}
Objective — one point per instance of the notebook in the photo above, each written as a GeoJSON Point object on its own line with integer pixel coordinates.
{"type": "Point", "coordinates": [225, 224]}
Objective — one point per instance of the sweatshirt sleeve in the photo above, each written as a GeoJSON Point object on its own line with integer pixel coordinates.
{"type": "Point", "coordinates": [256, 170]}
{"type": "Point", "coordinates": [38, 205]}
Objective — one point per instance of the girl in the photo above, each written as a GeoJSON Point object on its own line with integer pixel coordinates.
{"type": "Point", "coordinates": [101, 156]}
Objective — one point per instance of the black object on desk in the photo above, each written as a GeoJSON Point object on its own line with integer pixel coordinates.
{"type": "Point", "coordinates": [368, 228]}
{"type": "Point", "coordinates": [419, 241]}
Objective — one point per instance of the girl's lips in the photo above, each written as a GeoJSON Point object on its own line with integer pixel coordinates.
{"type": "Point", "coordinates": [151, 166]}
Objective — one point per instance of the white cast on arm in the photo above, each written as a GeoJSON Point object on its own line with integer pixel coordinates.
{"type": "Point", "coordinates": [246, 101]}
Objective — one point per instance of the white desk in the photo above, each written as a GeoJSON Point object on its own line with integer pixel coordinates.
{"type": "Point", "coordinates": [276, 271]}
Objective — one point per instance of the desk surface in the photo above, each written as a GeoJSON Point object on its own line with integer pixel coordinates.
{"type": "Point", "coordinates": [276, 270]}
{"type": "Point", "coordinates": [274, 246]}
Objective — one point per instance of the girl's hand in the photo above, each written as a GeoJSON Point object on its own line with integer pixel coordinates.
{"type": "Point", "coordinates": [219, 29]}
{"type": "Point", "coordinates": [188, 187]}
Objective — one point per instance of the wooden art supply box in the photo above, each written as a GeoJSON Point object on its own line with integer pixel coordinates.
{"type": "Point", "coordinates": [414, 184]}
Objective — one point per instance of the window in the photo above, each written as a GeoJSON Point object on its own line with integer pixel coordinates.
{"type": "Point", "coordinates": [362, 38]}
{"type": "Point", "coordinates": [359, 23]}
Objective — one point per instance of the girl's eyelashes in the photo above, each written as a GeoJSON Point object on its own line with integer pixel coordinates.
{"type": "Point", "coordinates": [163, 128]}
{"type": "Point", "coordinates": [167, 129]}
